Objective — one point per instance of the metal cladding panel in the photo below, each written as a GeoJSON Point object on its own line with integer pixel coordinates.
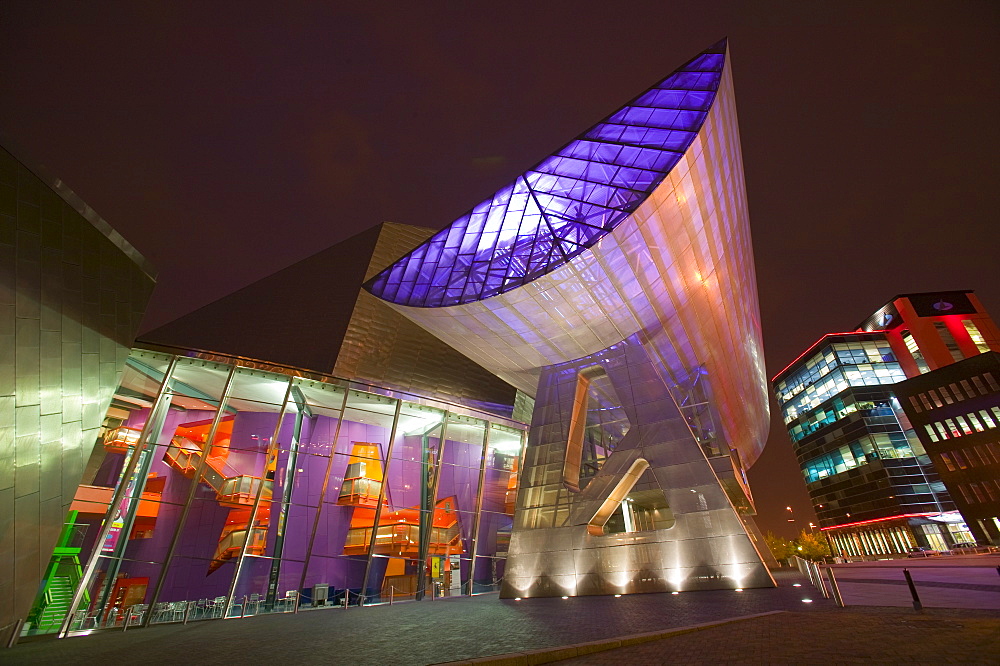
{"type": "Point", "coordinates": [678, 270]}
{"type": "Point", "coordinates": [387, 349]}
{"type": "Point", "coordinates": [559, 545]}
{"type": "Point", "coordinates": [72, 293]}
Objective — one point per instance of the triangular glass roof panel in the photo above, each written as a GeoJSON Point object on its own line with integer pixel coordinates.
{"type": "Point", "coordinates": [565, 203]}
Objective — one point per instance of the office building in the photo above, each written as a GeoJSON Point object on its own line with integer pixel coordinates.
{"type": "Point", "coordinates": [873, 485]}
{"type": "Point", "coordinates": [955, 411]}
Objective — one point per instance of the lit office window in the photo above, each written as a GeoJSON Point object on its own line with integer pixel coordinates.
{"type": "Point", "coordinates": [992, 382]}
{"type": "Point", "coordinates": [935, 397]}
{"type": "Point", "coordinates": [976, 335]}
{"type": "Point", "coordinates": [911, 346]}
{"type": "Point", "coordinates": [949, 341]}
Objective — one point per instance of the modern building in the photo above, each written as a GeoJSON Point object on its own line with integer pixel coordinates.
{"type": "Point", "coordinates": [72, 293]}
{"type": "Point", "coordinates": [380, 450]}
{"type": "Point", "coordinates": [955, 411]}
{"type": "Point", "coordinates": [614, 282]}
{"type": "Point", "coordinates": [315, 314]}
{"type": "Point", "coordinates": [872, 483]}
{"type": "Point", "coordinates": [223, 487]}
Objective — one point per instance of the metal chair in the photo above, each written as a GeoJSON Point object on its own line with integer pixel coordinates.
{"type": "Point", "coordinates": [288, 601]}
{"type": "Point", "coordinates": [135, 613]}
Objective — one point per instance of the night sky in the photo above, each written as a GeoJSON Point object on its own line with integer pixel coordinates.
{"type": "Point", "coordinates": [226, 141]}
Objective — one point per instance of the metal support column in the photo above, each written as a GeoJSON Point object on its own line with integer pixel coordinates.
{"type": "Point", "coordinates": [323, 491]}
{"type": "Point", "coordinates": [474, 545]}
{"type": "Point", "coordinates": [256, 505]}
{"type": "Point", "coordinates": [301, 412]}
{"type": "Point", "coordinates": [431, 476]}
{"type": "Point", "coordinates": [162, 398]}
{"type": "Point", "coordinates": [202, 466]}
{"type": "Point", "coordinates": [381, 497]}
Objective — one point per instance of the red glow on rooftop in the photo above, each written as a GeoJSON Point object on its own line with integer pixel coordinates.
{"type": "Point", "coordinates": [816, 344]}
{"type": "Point", "coordinates": [880, 520]}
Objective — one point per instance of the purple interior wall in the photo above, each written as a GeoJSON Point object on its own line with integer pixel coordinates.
{"type": "Point", "coordinates": [189, 576]}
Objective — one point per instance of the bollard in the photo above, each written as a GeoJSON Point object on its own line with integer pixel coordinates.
{"type": "Point", "coordinates": [391, 590]}
{"type": "Point", "coordinates": [835, 588]}
{"type": "Point", "coordinates": [811, 573]}
{"type": "Point", "coordinates": [822, 584]}
{"type": "Point", "coordinates": [913, 591]}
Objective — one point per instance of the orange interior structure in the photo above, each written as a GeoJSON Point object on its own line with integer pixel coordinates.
{"type": "Point", "coordinates": [233, 489]}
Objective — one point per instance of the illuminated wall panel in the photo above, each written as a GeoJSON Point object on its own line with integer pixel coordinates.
{"type": "Point", "coordinates": [72, 292]}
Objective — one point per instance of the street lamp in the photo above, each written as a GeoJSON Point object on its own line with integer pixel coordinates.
{"type": "Point", "coordinates": [791, 516]}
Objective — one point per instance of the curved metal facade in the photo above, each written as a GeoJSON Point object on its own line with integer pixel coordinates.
{"type": "Point", "coordinates": [614, 282]}
{"type": "Point", "coordinates": [674, 266]}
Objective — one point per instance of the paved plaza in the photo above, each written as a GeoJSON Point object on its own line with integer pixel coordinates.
{"type": "Point", "coordinates": [781, 627]}
{"type": "Point", "coordinates": [852, 636]}
{"type": "Point", "coordinates": [962, 581]}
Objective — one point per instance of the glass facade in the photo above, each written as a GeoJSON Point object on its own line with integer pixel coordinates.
{"type": "Point", "coordinates": [220, 490]}
{"type": "Point", "coordinates": [563, 205]}
{"type": "Point", "coordinates": [865, 469]}
{"type": "Point", "coordinates": [857, 360]}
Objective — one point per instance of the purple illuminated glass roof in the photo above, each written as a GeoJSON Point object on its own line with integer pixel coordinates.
{"type": "Point", "coordinates": [563, 205]}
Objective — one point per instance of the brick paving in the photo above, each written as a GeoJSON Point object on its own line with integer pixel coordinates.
{"type": "Point", "coordinates": [849, 636]}
{"type": "Point", "coordinates": [468, 628]}
{"type": "Point", "coordinates": [416, 632]}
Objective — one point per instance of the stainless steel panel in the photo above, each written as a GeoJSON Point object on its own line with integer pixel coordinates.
{"type": "Point", "coordinates": [42, 383]}
{"type": "Point", "coordinates": [706, 548]}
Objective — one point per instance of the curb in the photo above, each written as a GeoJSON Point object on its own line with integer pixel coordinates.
{"type": "Point", "coordinates": [558, 653]}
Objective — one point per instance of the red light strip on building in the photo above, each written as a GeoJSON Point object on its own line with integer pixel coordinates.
{"type": "Point", "coordinates": [815, 344]}
{"type": "Point", "coordinates": [880, 520]}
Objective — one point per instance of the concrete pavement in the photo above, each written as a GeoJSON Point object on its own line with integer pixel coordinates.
{"type": "Point", "coordinates": [963, 581]}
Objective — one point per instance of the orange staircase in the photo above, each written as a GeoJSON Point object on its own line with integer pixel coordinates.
{"type": "Point", "coordinates": [363, 479]}
{"type": "Point", "coordinates": [398, 532]}
{"type": "Point", "coordinates": [232, 488]}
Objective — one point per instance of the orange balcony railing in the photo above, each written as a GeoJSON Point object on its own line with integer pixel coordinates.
{"type": "Point", "coordinates": [119, 439]}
